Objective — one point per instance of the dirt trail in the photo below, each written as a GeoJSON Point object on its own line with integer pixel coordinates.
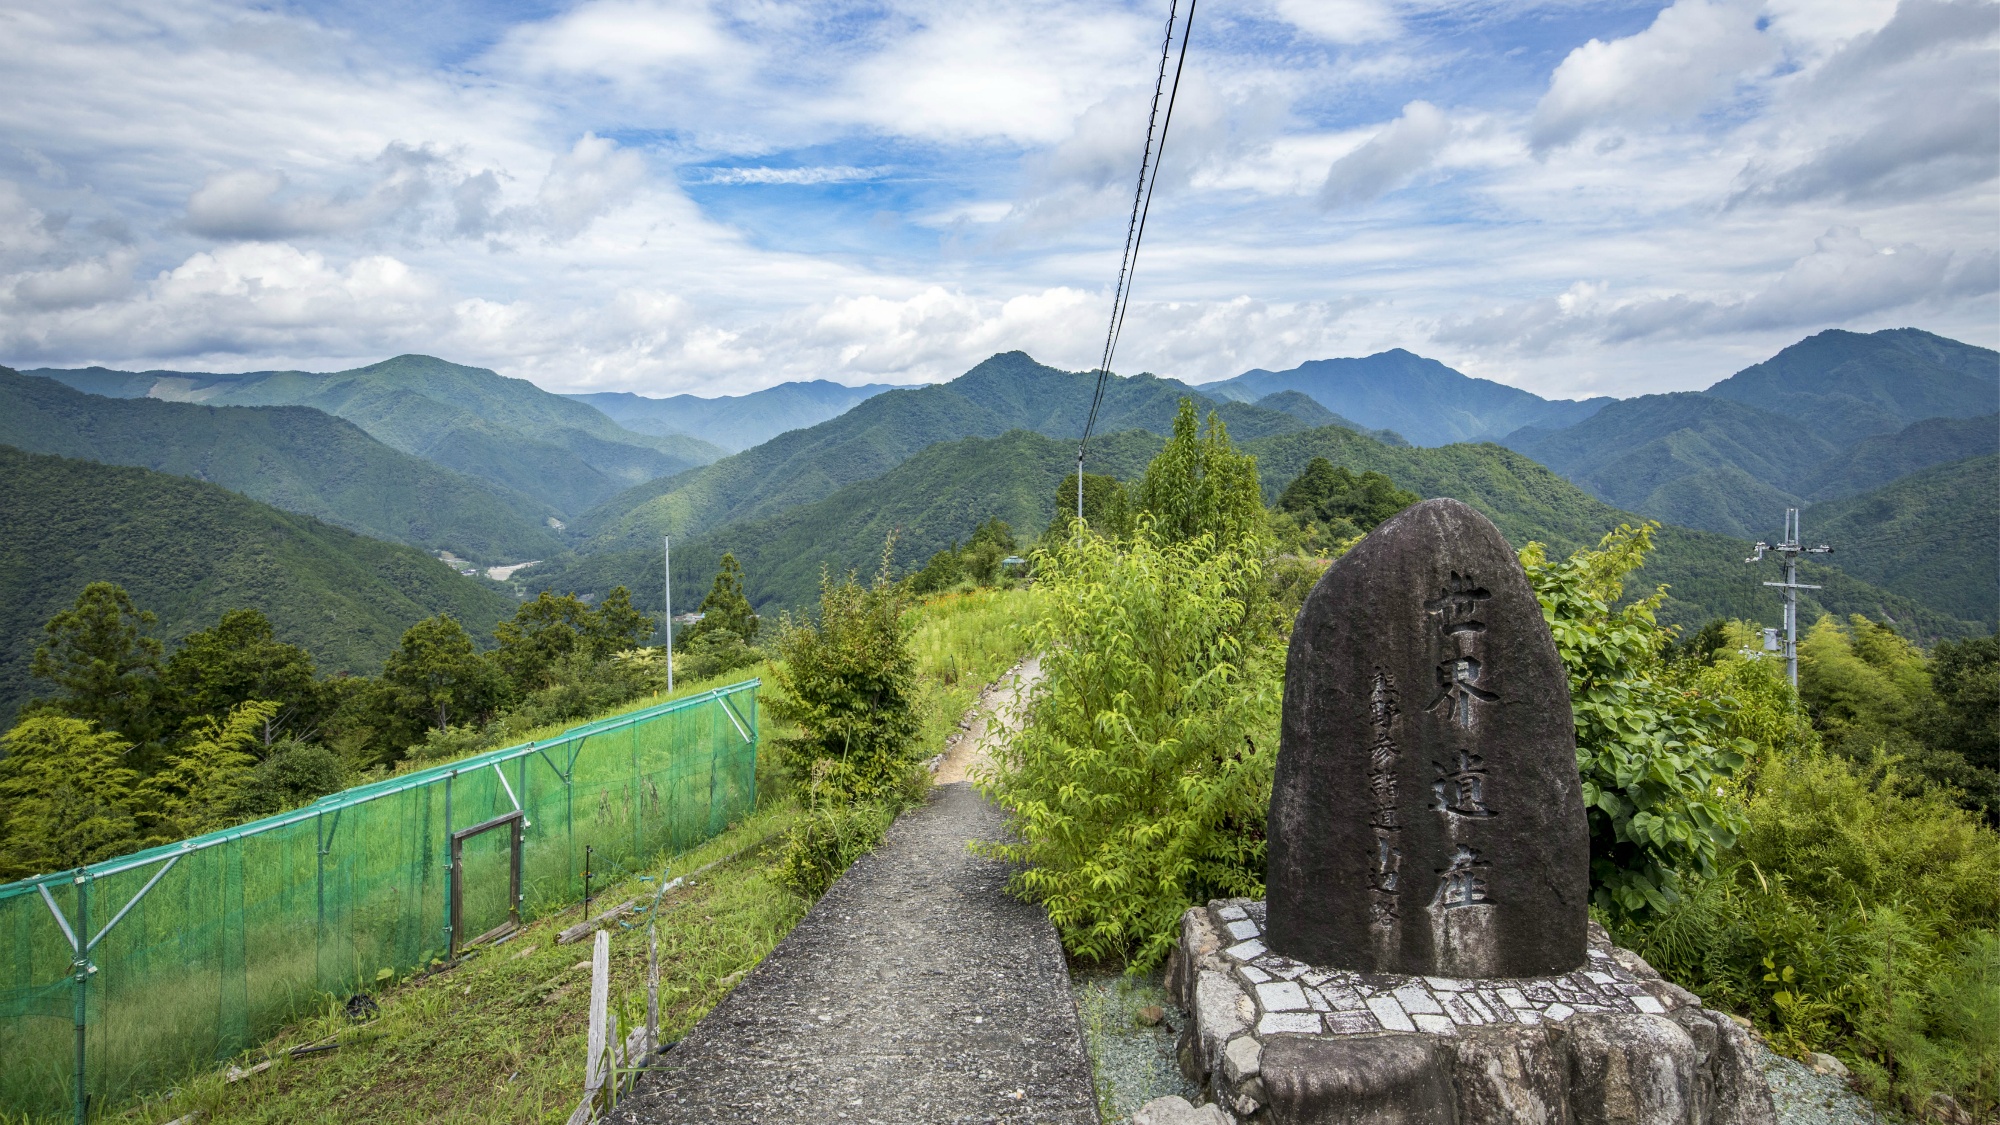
{"type": "Point", "coordinates": [997, 714]}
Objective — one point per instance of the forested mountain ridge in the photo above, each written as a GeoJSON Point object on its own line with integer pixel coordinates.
{"type": "Point", "coordinates": [1836, 413]}
{"type": "Point", "coordinates": [1009, 391]}
{"type": "Point", "coordinates": [735, 422]}
{"type": "Point", "coordinates": [189, 551]}
{"type": "Point", "coordinates": [945, 491]}
{"type": "Point", "coordinates": [1419, 398]}
{"type": "Point", "coordinates": [1933, 536]}
{"type": "Point", "coordinates": [469, 419]}
{"type": "Point", "coordinates": [292, 457]}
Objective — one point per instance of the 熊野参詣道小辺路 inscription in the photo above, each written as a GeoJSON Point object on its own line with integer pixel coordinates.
{"type": "Point", "coordinates": [1427, 816]}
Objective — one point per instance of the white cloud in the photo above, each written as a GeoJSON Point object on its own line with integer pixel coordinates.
{"type": "Point", "coordinates": [1341, 21]}
{"type": "Point", "coordinates": [1695, 51]}
{"type": "Point", "coordinates": [1389, 159]}
{"type": "Point", "coordinates": [630, 41]}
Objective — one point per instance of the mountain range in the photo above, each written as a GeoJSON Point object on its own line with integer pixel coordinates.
{"type": "Point", "coordinates": [292, 457]}
{"type": "Point", "coordinates": [1831, 416]}
{"type": "Point", "coordinates": [507, 431]}
{"type": "Point", "coordinates": [734, 422]}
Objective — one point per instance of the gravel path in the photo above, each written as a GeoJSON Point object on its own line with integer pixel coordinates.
{"type": "Point", "coordinates": [916, 991]}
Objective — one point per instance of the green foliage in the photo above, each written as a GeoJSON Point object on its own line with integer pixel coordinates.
{"type": "Point", "coordinates": [202, 783]}
{"type": "Point", "coordinates": [1651, 752]}
{"type": "Point", "coordinates": [292, 774]}
{"type": "Point", "coordinates": [1348, 504]}
{"type": "Point", "coordinates": [237, 660]}
{"type": "Point", "coordinates": [99, 656]}
{"type": "Point", "coordinates": [548, 630]}
{"type": "Point", "coordinates": [713, 653]}
{"type": "Point", "coordinates": [1966, 677]}
{"type": "Point", "coordinates": [436, 673]}
{"type": "Point", "coordinates": [1137, 786]}
{"type": "Point", "coordinates": [847, 681]}
{"type": "Point", "coordinates": [827, 840]}
{"type": "Point", "coordinates": [1200, 485]}
{"type": "Point", "coordinates": [1932, 536]}
{"type": "Point", "coordinates": [1870, 692]}
{"type": "Point", "coordinates": [725, 607]}
{"type": "Point", "coordinates": [1107, 507]}
{"type": "Point", "coordinates": [977, 563]}
{"type": "Point", "coordinates": [68, 796]}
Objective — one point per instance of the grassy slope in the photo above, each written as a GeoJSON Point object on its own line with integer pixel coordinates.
{"type": "Point", "coordinates": [1007, 392]}
{"type": "Point", "coordinates": [188, 551]}
{"type": "Point", "coordinates": [292, 457]}
{"type": "Point", "coordinates": [507, 431]}
{"type": "Point", "coordinates": [502, 1037]}
{"type": "Point", "coordinates": [1933, 534]}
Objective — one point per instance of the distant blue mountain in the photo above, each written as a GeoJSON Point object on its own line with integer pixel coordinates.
{"type": "Point", "coordinates": [1421, 399]}
{"type": "Point", "coordinates": [735, 422]}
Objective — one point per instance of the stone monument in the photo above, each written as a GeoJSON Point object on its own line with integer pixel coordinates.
{"type": "Point", "coordinates": [1427, 817]}
{"type": "Point", "coordinates": [1425, 956]}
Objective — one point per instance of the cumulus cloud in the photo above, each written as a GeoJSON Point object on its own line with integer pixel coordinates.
{"type": "Point", "coordinates": [1694, 51]}
{"type": "Point", "coordinates": [1341, 21]}
{"type": "Point", "coordinates": [629, 41]}
{"type": "Point", "coordinates": [1389, 159]}
{"type": "Point", "coordinates": [256, 203]}
{"type": "Point", "coordinates": [1845, 277]}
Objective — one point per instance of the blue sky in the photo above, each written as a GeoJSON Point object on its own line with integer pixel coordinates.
{"type": "Point", "coordinates": [673, 195]}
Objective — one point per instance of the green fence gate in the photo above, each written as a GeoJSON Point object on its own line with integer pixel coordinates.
{"type": "Point", "coordinates": [123, 976]}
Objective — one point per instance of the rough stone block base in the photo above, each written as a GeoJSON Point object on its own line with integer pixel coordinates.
{"type": "Point", "coordinates": [1276, 1040]}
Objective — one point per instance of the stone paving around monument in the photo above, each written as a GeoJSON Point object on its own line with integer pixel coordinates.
{"type": "Point", "coordinates": [1294, 998]}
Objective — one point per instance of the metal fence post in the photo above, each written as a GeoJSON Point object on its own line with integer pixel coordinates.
{"type": "Point", "coordinates": [81, 967]}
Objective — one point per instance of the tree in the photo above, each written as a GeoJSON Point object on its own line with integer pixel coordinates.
{"type": "Point", "coordinates": [1199, 485]}
{"type": "Point", "coordinates": [239, 660]}
{"type": "Point", "coordinates": [202, 784]}
{"type": "Point", "coordinates": [725, 607]}
{"type": "Point", "coordinates": [436, 673]}
{"type": "Point", "coordinates": [67, 796]}
{"type": "Point", "coordinates": [1139, 784]}
{"type": "Point", "coordinates": [541, 633]}
{"type": "Point", "coordinates": [615, 626]}
{"type": "Point", "coordinates": [98, 655]}
{"type": "Point", "coordinates": [1107, 509]}
{"type": "Point", "coordinates": [1334, 496]}
{"type": "Point", "coordinates": [849, 681]}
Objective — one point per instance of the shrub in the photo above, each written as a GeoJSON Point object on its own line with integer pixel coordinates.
{"type": "Point", "coordinates": [827, 840]}
{"type": "Point", "coordinates": [1651, 751]}
{"type": "Point", "coordinates": [847, 680]}
{"type": "Point", "coordinates": [1138, 785]}
{"type": "Point", "coordinates": [296, 773]}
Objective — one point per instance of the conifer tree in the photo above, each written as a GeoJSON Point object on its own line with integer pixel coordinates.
{"type": "Point", "coordinates": [436, 673]}
{"type": "Point", "coordinates": [239, 660]}
{"type": "Point", "coordinates": [97, 653]}
{"type": "Point", "coordinates": [726, 607]}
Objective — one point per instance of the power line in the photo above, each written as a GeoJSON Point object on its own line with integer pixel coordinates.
{"type": "Point", "coordinates": [1135, 227]}
{"type": "Point", "coordinates": [1790, 548]}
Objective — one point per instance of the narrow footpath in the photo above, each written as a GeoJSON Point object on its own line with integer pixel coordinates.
{"type": "Point", "coordinates": [916, 991]}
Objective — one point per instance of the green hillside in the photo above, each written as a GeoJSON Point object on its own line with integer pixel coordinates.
{"type": "Point", "coordinates": [291, 457]}
{"type": "Point", "coordinates": [946, 490]}
{"type": "Point", "coordinates": [188, 551]}
{"type": "Point", "coordinates": [734, 422]}
{"type": "Point", "coordinates": [1876, 461]}
{"type": "Point", "coordinates": [507, 431]}
{"type": "Point", "coordinates": [1007, 392]}
{"type": "Point", "coordinates": [1933, 536]}
{"type": "Point", "coordinates": [1846, 386]}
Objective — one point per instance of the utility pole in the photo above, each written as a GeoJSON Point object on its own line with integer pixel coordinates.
{"type": "Point", "coordinates": [1079, 484]}
{"type": "Point", "coordinates": [1789, 550]}
{"type": "Point", "coordinates": [667, 565]}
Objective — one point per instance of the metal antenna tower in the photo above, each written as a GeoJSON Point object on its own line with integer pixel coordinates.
{"type": "Point", "coordinates": [1789, 550]}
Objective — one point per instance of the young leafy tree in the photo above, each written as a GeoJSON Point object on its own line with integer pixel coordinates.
{"type": "Point", "coordinates": [1334, 496]}
{"type": "Point", "coordinates": [97, 654]}
{"type": "Point", "coordinates": [239, 660]}
{"type": "Point", "coordinates": [1107, 509]}
{"type": "Point", "coordinates": [1199, 485]}
{"type": "Point", "coordinates": [202, 783]}
{"type": "Point", "coordinates": [726, 607]}
{"type": "Point", "coordinates": [1651, 754]}
{"type": "Point", "coordinates": [1140, 782]}
{"type": "Point", "coordinates": [65, 796]}
{"type": "Point", "coordinates": [436, 673]}
{"type": "Point", "coordinates": [849, 681]}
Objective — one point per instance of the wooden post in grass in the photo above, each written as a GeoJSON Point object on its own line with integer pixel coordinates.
{"type": "Point", "coordinates": [598, 1068]}
{"type": "Point", "coordinates": [652, 987]}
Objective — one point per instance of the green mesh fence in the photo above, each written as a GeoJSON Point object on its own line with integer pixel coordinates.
{"type": "Point", "coordinates": [195, 950]}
